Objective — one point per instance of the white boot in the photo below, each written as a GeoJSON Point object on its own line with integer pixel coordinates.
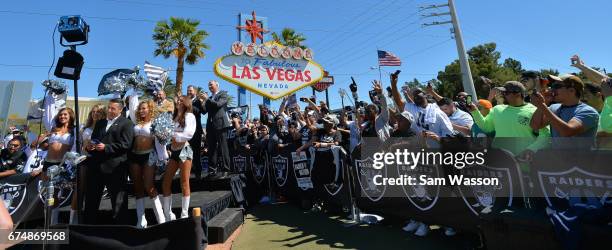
{"type": "Point", "coordinates": [158, 210]}
{"type": "Point", "coordinates": [185, 206]}
{"type": "Point", "coordinates": [74, 219]}
{"type": "Point", "coordinates": [167, 207]}
{"type": "Point", "coordinates": [54, 216]}
{"type": "Point", "coordinates": [172, 215]}
{"type": "Point", "coordinates": [140, 213]}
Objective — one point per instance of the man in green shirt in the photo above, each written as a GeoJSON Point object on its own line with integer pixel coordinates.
{"type": "Point", "coordinates": [604, 130]}
{"type": "Point", "coordinates": [511, 123]}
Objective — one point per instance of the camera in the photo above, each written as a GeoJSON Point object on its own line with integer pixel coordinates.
{"type": "Point", "coordinates": [303, 99]}
{"type": "Point", "coordinates": [374, 97]}
{"type": "Point", "coordinates": [353, 86]}
{"type": "Point", "coordinates": [389, 92]}
{"type": "Point", "coordinates": [396, 73]}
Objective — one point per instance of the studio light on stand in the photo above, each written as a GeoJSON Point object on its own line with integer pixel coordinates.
{"type": "Point", "coordinates": [74, 32]}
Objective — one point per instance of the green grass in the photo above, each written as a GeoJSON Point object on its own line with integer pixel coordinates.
{"type": "Point", "coordinates": [283, 226]}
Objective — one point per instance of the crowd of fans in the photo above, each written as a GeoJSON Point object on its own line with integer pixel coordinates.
{"type": "Point", "coordinates": [536, 111]}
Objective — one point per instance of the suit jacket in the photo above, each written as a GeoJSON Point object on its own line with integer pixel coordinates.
{"type": "Point", "coordinates": [216, 107]}
{"type": "Point", "coordinates": [118, 141]}
{"type": "Point", "coordinates": [197, 109]}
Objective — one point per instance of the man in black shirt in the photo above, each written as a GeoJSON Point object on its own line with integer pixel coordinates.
{"type": "Point", "coordinates": [12, 159]}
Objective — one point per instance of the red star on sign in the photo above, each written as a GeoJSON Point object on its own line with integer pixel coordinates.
{"type": "Point", "coordinates": [254, 29]}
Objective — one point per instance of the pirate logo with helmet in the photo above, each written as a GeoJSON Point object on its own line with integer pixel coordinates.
{"type": "Point", "coordinates": [281, 168]}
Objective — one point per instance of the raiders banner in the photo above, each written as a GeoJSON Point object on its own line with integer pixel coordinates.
{"type": "Point", "coordinates": [562, 178]}
{"type": "Point", "coordinates": [20, 196]}
{"type": "Point", "coordinates": [301, 170]}
{"type": "Point", "coordinates": [481, 199]}
{"type": "Point", "coordinates": [328, 179]}
{"type": "Point", "coordinates": [280, 165]}
{"type": "Point", "coordinates": [259, 166]}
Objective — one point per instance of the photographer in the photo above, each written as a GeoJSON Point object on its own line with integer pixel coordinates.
{"type": "Point", "coordinates": [569, 117]}
{"type": "Point", "coordinates": [511, 123]}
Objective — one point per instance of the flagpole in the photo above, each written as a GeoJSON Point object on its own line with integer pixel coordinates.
{"type": "Point", "coordinates": [379, 72]}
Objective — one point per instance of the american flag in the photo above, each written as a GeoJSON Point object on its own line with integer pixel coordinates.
{"type": "Point", "coordinates": [155, 74]}
{"type": "Point", "coordinates": [387, 59]}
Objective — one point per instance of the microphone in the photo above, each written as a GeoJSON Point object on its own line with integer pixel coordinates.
{"type": "Point", "coordinates": [52, 171]}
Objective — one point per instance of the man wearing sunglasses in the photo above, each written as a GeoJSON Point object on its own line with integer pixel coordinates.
{"type": "Point", "coordinates": [12, 158]}
{"type": "Point", "coordinates": [511, 122]}
{"type": "Point", "coordinates": [569, 117]}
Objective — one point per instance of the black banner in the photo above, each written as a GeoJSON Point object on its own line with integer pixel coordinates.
{"type": "Point", "coordinates": [21, 197]}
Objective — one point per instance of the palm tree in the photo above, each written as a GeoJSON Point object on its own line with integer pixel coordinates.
{"type": "Point", "coordinates": [289, 38]}
{"type": "Point", "coordinates": [182, 39]}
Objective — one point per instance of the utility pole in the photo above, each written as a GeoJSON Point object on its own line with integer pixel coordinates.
{"type": "Point", "coordinates": [466, 73]}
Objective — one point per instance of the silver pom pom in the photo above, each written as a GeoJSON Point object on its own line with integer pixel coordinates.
{"type": "Point", "coordinates": [163, 128]}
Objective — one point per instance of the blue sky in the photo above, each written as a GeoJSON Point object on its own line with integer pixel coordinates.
{"type": "Point", "coordinates": [343, 34]}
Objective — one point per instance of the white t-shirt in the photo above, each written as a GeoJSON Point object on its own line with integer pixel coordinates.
{"type": "Point", "coordinates": [355, 135]}
{"type": "Point", "coordinates": [436, 121]}
{"type": "Point", "coordinates": [461, 118]}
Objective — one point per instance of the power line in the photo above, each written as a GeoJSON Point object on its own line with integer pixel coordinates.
{"type": "Point", "coordinates": [91, 68]}
{"type": "Point", "coordinates": [364, 45]}
{"type": "Point", "coordinates": [357, 25]}
{"type": "Point", "coordinates": [353, 57]}
{"type": "Point", "coordinates": [155, 21]}
{"type": "Point", "coordinates": [350, 20]}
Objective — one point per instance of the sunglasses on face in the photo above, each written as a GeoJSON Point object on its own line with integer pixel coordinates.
{"type": "Point", "coordinates": [14, 145]}
{"type": "Point", "coordinates": [557, 86]}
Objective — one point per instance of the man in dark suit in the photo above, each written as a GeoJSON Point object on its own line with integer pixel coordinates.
{"type": "Point", "coordinates": [217, 125]}
{"type": "Point", "coordinates": [196, 140]}
{"type": "Point", "coordinates": [110, 141]}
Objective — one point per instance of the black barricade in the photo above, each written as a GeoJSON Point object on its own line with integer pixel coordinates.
{"type": "Point", "coordinates": [576, 187]}
{"type": "Point", "coordinates": [328, 175]}
{"type": "Point", "coordinates": [457, 206]}
{"type": "Point", "coordinates": [291, 173]}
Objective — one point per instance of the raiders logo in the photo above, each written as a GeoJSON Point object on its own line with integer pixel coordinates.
{"type": "Point", "coordinates": [259, 170]}
{"type": "Point", "coordinates": [62, 192]}
{"type": "Point", "coordinates": [421, 196]}
{"type": "Point", "coordinates": [365, 176]}
{"type": "Point", "coordinates": [281, 168]}
{"type": "Point", "coordinates": [575, 182]}
{"type": "Point", "coordinates": [335, 187]}
{"type": "Point", "coordinates": [13, 196]}
{"type": "Point", "coordinates": [481, 199]}
{"type": "Point", "coordinates": [239, 163]}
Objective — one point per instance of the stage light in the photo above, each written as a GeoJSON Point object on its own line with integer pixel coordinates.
{"type": "Point", "coordinates": [69, 66]}
{"type": "Point", "coordinates": [73, 29]}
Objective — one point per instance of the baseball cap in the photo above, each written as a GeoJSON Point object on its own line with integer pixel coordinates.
{"type": "Point", "coordinates": [512, 86]}
{"type": "Point", "coordinates": [568, 81]}
{"type": "Point", "coordinates": [406, 115]}
{"type": "Point", "coordinates": [485, 103]}
{"type": "Point", "coordinates": [330, 119]}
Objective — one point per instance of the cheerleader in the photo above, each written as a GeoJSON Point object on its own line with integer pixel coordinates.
{"type": "Point", "coordinates": [181, 155]}
{"type": "Point", "coordinates": [142, 159]}
{"type": "Point", "coordinates": [60, 126]}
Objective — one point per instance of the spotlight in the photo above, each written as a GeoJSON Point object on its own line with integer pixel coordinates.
{"type": "Point", "coordinates": [73, 29]}
{"type": "Point", "coordinates": [69, 66]}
